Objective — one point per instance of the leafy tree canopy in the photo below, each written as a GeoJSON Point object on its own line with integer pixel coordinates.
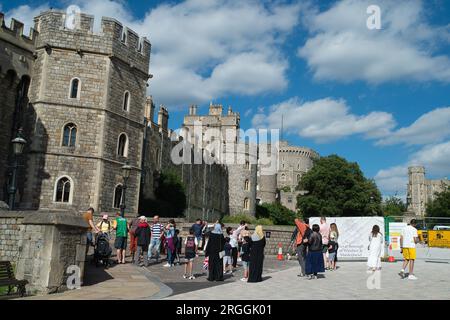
{"type": "Point", "coordinates": [393, 206]}
{"type": "Point", "coordinates": [440, 206]}
{"type": "Point", "coordinates": [337, 187]}
{"type": "Point", "coordinates": [279, 214]}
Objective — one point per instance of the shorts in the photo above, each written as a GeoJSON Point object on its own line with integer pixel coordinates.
{"type": "Point", "coordinates": [227, 260]}
{"type": "Point", "coordinates": [409, 253]}
{"type": "Point", "coordinates": [331, 256]}
{"type": "Point", "coordinates": [325, 248]}
{"type": "Point", "coordinates": [189, 256]}
{"type": "Point", "coordinates": [245, 264]}
{"type": "Point", "coordinates": [120, 243]}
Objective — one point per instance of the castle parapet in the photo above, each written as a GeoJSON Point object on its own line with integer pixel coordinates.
{"type": "Point", "coordinates": [14, 34]}
{"type": "Point", "coordinates": [59, 30]}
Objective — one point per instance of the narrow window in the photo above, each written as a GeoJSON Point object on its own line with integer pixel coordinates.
{"type": "Point", "coordinates": [126, 101]}
{"type": "Point", "coordinates": [69, 135]}
{"type": "Point", "coordinates": [246, 204]}
{"type": "Point", "coordinates": [122, 147]}
{"type": "Point", "coordinates": [63, 187]}
{"type": "Point", "coordinates": [74, 88]}
{"type": "Point", "coordinates": [118, 192]}
{"type": "Point", "coordinates": [247, 185]}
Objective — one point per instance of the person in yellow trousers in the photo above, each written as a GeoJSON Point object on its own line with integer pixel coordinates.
{"type": "Point", "coordinates": [408, 240]}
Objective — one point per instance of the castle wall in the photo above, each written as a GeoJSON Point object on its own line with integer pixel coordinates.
{"type": "Point", "coordinates": [16, 62]}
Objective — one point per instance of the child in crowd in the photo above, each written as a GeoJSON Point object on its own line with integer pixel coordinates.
{"type": "Point", "coordinates": [332, 246]}
{"type": "Point", "coordinates": [245, 256]}
{"type": "Point", "coordinates": [190, 252]}
{"type": "Point", "coordinates": [227, 263]}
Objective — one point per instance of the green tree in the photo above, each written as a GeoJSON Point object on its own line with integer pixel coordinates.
{"type": "Point", "coordinates": [337, 187]}
{"type": "Point", "coordinates": [393, 206]}
{"type": "Point", "coordinates": [170, 197]}
{"type": "Point", "coordinates": [440, 206]}
{"type": "Point", "coordinates": [277, 213]}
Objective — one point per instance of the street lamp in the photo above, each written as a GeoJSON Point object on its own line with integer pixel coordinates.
{"type": "Point", "coordinates": [126, 170]}
{"type": "Point", "coordinates": [18, 143]}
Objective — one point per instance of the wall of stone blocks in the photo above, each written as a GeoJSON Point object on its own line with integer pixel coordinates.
{"type": "Point", "coordinates": [11, 229]}
{"type": "Point", "coordinates": [278, 234]}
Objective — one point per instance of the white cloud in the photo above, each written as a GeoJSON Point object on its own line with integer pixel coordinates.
{"type": "Point", "coordinates": [342, 48]}
{"type": "Point", "coordinates": [392, 180]}
{"type": "Point", "coordinates": [324, 120]}
{"type": "Point", "coordinates": [435, 159]}
{"type": "Point", "coordinates": [206, 49]}
{"type": "Point", "coordinates": [432, 127]}
{"type": "Point", "coordinates": [25, 14]}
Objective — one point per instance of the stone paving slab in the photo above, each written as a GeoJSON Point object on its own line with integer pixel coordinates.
{"type": "Point", "coordinates": [124, 282]}
{"type": "Point", "coordinates": [348, 282]}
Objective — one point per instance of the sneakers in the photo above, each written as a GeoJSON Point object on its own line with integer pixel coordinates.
{"type": "Point", "coordinates": [244, 279]}
{"type": "Point", "coordinates": [402, 274]}
{"type": "Point", "coordinates": [167, 265]}
{"type": "Point", "coordinates": [191, 278]}
{"type": "Point", "coordinates": [301, 275]}
{"type": "Point", "coordinates": [185, 276]}
{"type": "Point", "coordinates": [412, 277]}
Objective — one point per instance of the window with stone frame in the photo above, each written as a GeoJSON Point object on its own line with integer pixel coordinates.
{"type": "Point", "coordinates": [247, 165]}
{"type": "Point", "coordinates": [69, 137]}
{"type": "Point", "coordinates": [123, 37]}
{"type": "Point", "coordinates": [247, 185]}
{"type": "Point", "coordinates": [63, 190]}
{"type": "Point", "coordinates": [118, 193]}
{"type": "Point", "coordinates": [246, 203]}
{"type": "Point", "coordinates": [122, 145]}
{"type": "Point", "coordinates": [74, 88]}
{"type": "Point", "coordinates": [126, 101]}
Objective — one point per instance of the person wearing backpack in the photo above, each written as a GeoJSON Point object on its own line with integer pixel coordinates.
{"type": "Point", "coordinates": [190, 252]}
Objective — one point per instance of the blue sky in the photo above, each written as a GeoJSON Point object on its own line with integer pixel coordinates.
{"type": "Point", "coordinates": [377, 97]}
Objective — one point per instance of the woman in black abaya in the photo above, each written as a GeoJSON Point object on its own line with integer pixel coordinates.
{"type": "Point", "coordinates": [257, 245]}
{"type": "Point", "coordinates": [213, 251]}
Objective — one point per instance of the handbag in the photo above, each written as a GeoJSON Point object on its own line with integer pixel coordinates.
{"type": "Point", "coordinates": [221, 254]}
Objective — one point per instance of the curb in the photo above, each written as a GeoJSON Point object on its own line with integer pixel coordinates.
{"type": "Point", "coordinates": [164, 290]}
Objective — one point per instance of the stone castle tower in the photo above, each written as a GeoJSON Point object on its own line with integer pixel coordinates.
{"type": "Point", "coordinates": [221, 130]}
{"type": "Point", "coordinates": [88, 99]}
{"type": "Point", "coordinates": [420, 191]}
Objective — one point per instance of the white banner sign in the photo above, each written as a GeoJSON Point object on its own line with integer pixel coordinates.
{"type": "Point", "coordinates": [353, 234]}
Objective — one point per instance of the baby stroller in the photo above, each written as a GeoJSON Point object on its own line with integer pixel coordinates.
{"type": "Point", "coordinates": [102, 250]}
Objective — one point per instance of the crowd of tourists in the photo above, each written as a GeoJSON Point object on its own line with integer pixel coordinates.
{"type": "Point", "coordinates": [222, 248]}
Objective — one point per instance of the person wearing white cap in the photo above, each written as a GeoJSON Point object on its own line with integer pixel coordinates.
{"type": "Point", "coordinates": [142, 235]}
{"type": "Point", "coordinates": [104, 225]}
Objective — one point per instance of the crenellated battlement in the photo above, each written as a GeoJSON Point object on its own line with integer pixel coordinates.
{"type": "Point", "coordinates": [15, 34]}
{"type": "Point", "coordinates": [58, 29]}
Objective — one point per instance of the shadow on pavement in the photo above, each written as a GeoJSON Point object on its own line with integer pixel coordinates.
{"type": "Point", "coordinates": [94, 275]}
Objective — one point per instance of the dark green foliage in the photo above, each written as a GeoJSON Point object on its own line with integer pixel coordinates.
{"type": "Point", "coordinates": [440, 206]}
{"type": "Point", "coordinates": [279, 214]}
{"type": "Point", "coordinates": [170, 197]}
{"type": "Point", "coordinates": [393, 206]}
{"type": "Point", "coordinates": [337, 187]}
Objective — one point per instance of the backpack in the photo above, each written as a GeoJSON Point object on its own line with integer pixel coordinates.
{"type": "Point", "coordinates": [190, 244]}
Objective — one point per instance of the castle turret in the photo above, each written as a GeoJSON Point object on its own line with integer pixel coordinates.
{"type": "Point", "coordinates": [163, 118]}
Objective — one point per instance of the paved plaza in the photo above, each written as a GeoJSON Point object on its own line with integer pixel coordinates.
{"type": "Point", "coordinates": [350, 281]}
